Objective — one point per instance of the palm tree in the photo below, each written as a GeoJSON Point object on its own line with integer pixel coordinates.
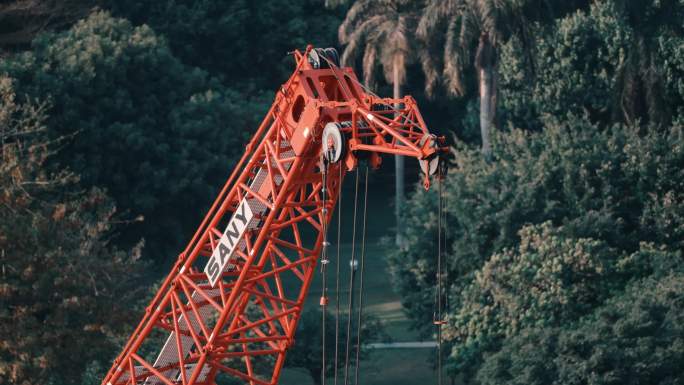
{"type": "Point", "coordinates": [473, 30]}
{"type": "Point", "coordinates": [640, 90]}
{"type": "Point", "coordinates": [382, 31]}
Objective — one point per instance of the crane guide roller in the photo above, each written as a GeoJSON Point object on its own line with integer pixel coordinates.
{"type": "Point", "coordinates": [231, 303]}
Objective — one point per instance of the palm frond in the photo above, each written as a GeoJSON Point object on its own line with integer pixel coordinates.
{"type": "Point", "coordinates": [469, 31]}
{"type": "Point", "coordinates": [358, 38]}
{"type": "Point", "coordinates": [369, 62]}
{"type": "Point", "coordinates": [453, 61]}
{"type": "Point", "coordinates": [435, 13]}
{"type": "Point", "coordinates": [386, 36]}
{"type": "Point", "coordinates": [430, 69]}
{"type": "Point", "coordinates": [360, 11]}
{"type": "Point", "coordinates": [487, 15]}
{"type": "Point", "coordinates": [397, 36]}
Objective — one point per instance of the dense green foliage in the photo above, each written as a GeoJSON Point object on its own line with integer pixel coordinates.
{"type": "Point", "coordinates": [606, 185]}
{"type": "Point", "coordinates": [598, 200]}
{"type": "Point", "coordinates": [158, 135]}
{"type": "Point", "coordinates": [581, 198]}
{"type": "Point", "coordinates": [245, 42]}
{"type": "Point", "coordinates": [22, 20]}
{"type": "Point", "coordinates": [158, 116]}
{"type": "Point", "coordinates": [615, 62]}
{"type": "Point", "coordinates": [67, 297]}
{"type": "Point", "coordinates": [636, 338]}
{"type": "Point", "coordinates": [547, 280]}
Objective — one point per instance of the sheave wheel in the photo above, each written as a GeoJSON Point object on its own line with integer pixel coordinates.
{"type": "Point", "coordinates": [333, 142]}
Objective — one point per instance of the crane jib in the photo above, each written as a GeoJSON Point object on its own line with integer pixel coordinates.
{"type": "Point", "coordinates": [223, 252]}
{"type": "Point", "coordinates": [219, 321]}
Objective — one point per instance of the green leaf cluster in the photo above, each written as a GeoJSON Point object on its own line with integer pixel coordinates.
{"type": "Point", "coordinates": [635, 338]}
{"type": "Point", "coordinates": [245, 43]}
{"type": "Point", "coordinates": [557, 223]}
{"type": "Point", "coordinates": [67, 296]}
{"type": "Point", "coordinates": [159, 135]}
{"type": "Point", "coordinates": [616, 61]}
{"type": "Point", "coordinates": [580, 204]}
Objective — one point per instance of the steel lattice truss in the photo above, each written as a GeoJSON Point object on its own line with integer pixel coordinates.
{"type": "Point", "coordinates": [231, 303]}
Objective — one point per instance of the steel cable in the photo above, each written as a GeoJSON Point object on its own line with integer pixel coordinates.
{"type": "Point", "coordinates": [351, 283]}
{"type": "Point", "coordinates": [324, 263]}
{"type": "Point", "coordinates": [445, 206]}
{"type": "Point", "coordinates": [439, 321]}
{"type": "Point", "coordinates": [337, 275]}
{"type": "Point", "coordinates": [363, 255]}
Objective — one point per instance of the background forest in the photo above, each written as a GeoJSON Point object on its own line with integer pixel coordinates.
{"type": "Point", "coordinates": [120, 119]}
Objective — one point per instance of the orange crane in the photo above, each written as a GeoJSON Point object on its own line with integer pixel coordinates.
{"type": "Point", "coordinates": [233, 298]}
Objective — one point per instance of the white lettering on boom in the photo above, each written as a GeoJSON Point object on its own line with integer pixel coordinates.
{"type": "Point", "coordinates": [230, 240]}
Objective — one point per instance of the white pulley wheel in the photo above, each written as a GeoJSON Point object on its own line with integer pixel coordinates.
{"type": "Point", "coordinates": [429, 166]}
{"type": "Point", "coordinates": [333, 142]}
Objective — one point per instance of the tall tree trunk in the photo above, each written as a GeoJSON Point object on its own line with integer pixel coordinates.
{"type": "Point", "coordinates": [486, 117]}
{"type": "Point", "coordinates": [485, 62]}
{"type": "Point", "coordinates": [398, 168]}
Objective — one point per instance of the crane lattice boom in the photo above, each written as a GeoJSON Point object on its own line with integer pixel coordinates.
{"type": "Point", "coordinates": [231, 302]}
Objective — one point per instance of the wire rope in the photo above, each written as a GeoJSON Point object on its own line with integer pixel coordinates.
{"type": "Point", "coordinates": [445, 206]}
{"type": "Point", "coordinates": [351, 283]}
{"type": "Point", "coordinates": [441, 217]}
{"type": "Point", "coordinates": [324, 264]}
{"type": "Point", "coordinates": [361, 268]}
{"type": "Point", "coordinates": [439, 320]}
{"type": "Point", "coordinates": [337, 275]}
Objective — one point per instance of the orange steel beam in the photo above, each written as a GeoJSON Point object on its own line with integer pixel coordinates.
{"type": "Point", "coordinates": [233, 298]}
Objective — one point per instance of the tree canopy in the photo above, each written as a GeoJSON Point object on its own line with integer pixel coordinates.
{"type": "Point", "coordinates": [157, 134]}
{"type": "Point", "coordinates": [65, 291]}
{"type": "Point", "coordinates": [580, 199]}
{"type": "Point", "coordinates": [636, 338]}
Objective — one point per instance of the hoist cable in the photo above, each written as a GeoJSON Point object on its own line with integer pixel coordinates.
{"type": "Point", "coordinates": [351, 283]}
{"type": "Point", "coordinates": [439, 282]}
{"type": "Point", "coordinates": [445, 207]}
{"type": "Point", "coordinates": [337, 274]}
{"type": "Point", "coordinates": [363, 255]}
{"type": "Point", "coordinates": [324, 262]}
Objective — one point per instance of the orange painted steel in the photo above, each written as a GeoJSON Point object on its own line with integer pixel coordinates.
{"type": "Point", "coordinates": [231, 303]}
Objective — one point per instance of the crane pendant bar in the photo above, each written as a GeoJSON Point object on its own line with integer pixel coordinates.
{"type": "Point", "coordinates": [231, 303]}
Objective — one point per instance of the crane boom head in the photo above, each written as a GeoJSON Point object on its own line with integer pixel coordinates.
{"type": "Point", "coordinates": [331, 111]}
